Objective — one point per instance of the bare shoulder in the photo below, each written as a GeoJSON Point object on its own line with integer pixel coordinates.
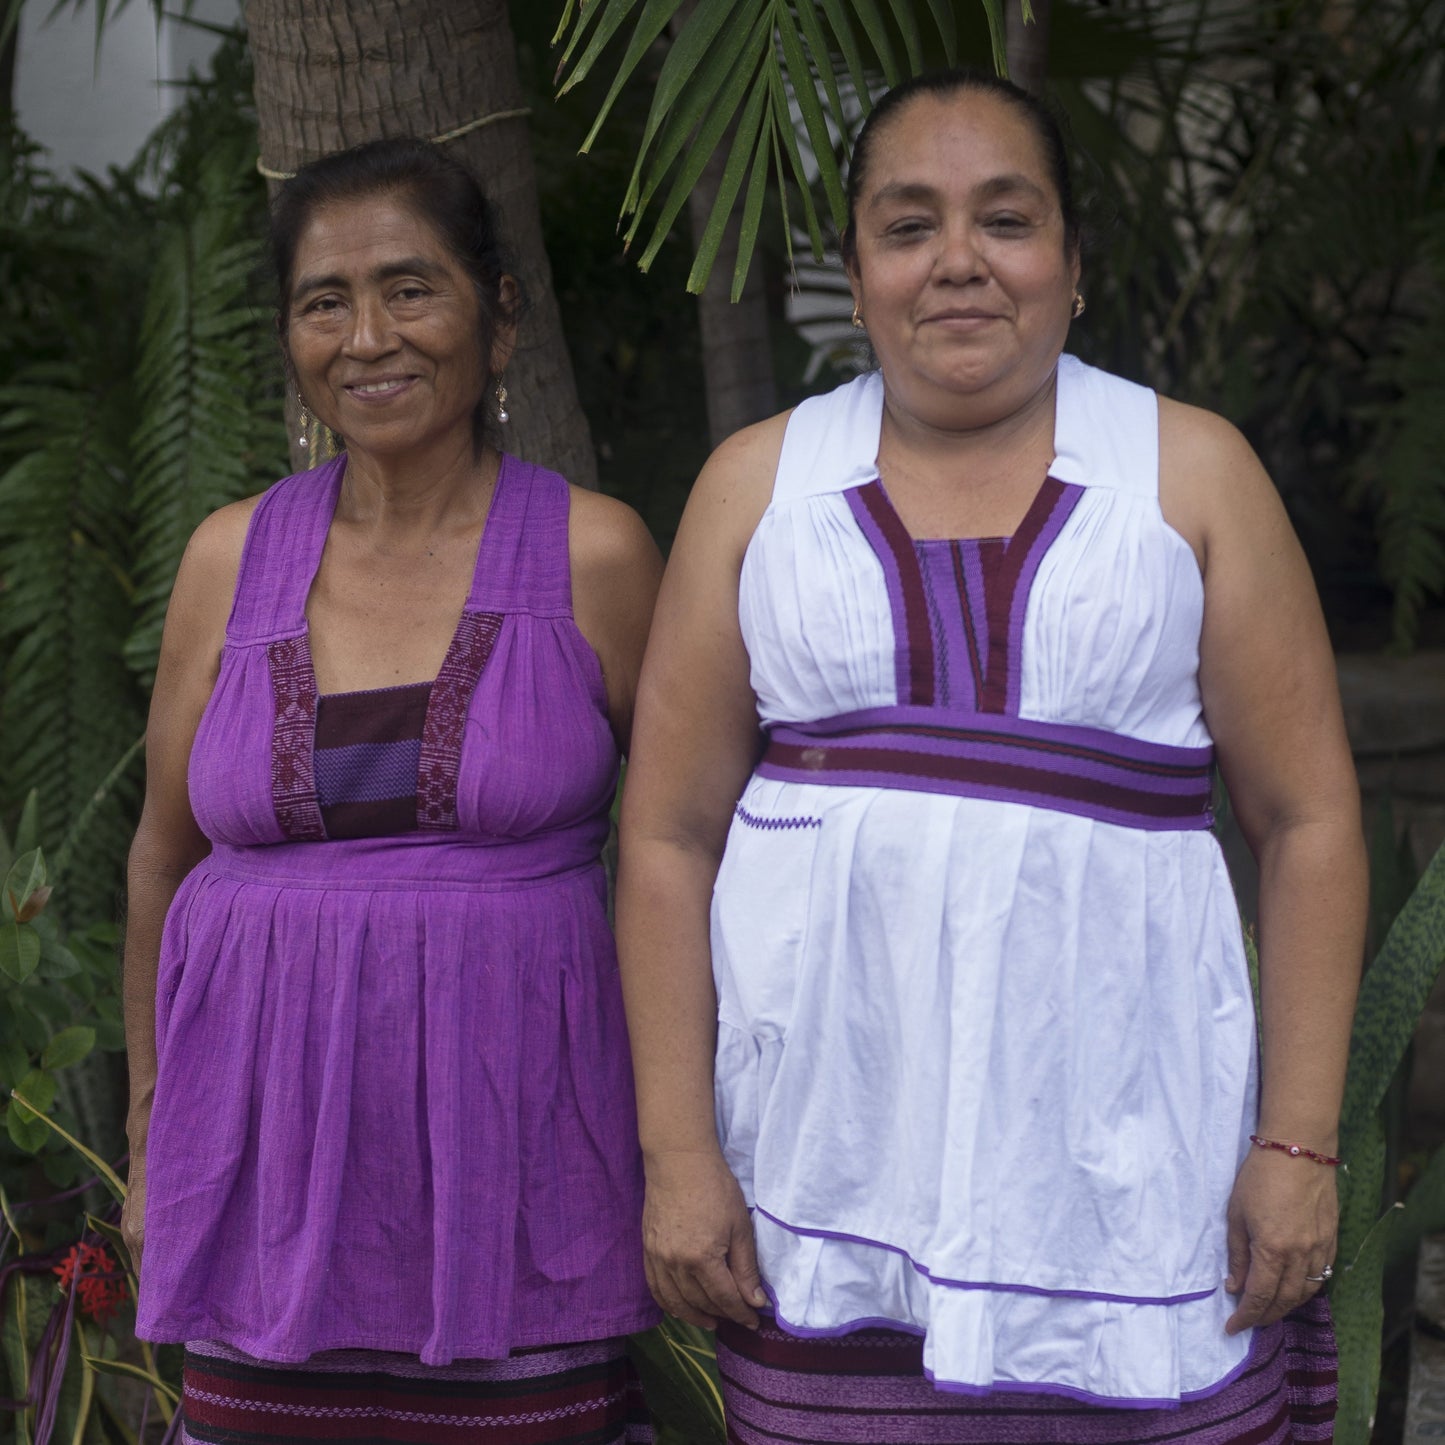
{"type": "Point", "coordinates": [1211, 483]}
{"type": "Point", "coordinates": [219, 540]}
{"type": "Point", "coordinates": [735, 485]}
{"type": "Point", "coordinates": [206, 580]}
{"type": "Point", "coordinates": [603, 533]}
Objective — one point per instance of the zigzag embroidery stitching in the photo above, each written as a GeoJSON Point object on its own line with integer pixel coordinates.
{"type": "Point", "coordinates": [353, 1412]}
{"type": "Point", "coordinates": [774, 824]}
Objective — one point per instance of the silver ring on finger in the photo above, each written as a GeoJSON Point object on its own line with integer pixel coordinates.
{"type": "Point", "coordinates": [1323, 1277]}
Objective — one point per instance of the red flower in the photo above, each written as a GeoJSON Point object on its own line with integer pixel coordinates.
{"type": "Point", "coordinates": [101, 1287]}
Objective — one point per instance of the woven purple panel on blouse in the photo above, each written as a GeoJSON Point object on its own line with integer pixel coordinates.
{"type": "Point", "coordinates": [1085, 771]}
{"type": "Point", "coordinates": [368, 750]}
{"type": "Point", "coordinates": [293, 783]}
{"type": "Point", "coordinates": [441, 739]}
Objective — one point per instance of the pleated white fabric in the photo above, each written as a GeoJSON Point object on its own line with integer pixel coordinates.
{"type": "Point", "coordinates": [986, 1070]}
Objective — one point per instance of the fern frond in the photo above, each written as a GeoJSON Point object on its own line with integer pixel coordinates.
{"type": "Point", "coordinates": [69, 706]}
{"type": "Point", "coordinates": [205, 434]}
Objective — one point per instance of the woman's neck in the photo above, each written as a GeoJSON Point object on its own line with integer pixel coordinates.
{"type": "Point", "coordinates": [417, 497]}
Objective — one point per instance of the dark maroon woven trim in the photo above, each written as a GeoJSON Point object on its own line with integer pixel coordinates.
{"type": "Point", "coordinates": [894, 548]}
{"type": "Point", "coordinates": [446, 716]}
{"type": "Point", "coordinates": [293, 735]}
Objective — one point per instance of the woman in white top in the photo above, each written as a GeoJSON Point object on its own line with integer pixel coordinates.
{"type": "Point", "coordinates": [943, 1031]}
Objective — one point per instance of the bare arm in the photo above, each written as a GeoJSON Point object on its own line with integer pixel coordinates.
{"type": "Point", "coordinates": [1272, 704]}
{"type": "Point", "coordinates": [616, 568]}
{"type": "Point", "coordinates": [696, 742]}
{"type": "Point", "coordinates": [168, 844]}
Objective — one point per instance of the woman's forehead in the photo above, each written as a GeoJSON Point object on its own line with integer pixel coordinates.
{"type": "Point", "coordinates": [968, 137]}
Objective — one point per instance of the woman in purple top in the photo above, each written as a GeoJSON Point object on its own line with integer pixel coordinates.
{"type": "Point", "coordinates": [384, 1160]}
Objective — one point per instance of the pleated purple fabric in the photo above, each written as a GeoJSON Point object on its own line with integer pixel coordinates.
{"type": "Point", "coordinates": [394, 1106]}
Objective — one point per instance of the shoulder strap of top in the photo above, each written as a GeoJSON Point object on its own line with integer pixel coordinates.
{"type": "Point", "coordinates": [831, 441]}
{"type": "Point", "coordinates": [523, 562]}
{"type": "Point", "coordinates": [283, 549]}
{"type": "Point", "coordinates": [1106, 431]}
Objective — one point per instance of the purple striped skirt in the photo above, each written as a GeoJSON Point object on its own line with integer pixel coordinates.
{"type": "Point", "coordinates": [583, 1394]}
{"type": "Point", "coordinates": [868, 1388]}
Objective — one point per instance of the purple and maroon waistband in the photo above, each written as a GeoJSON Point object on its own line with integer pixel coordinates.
{"type": "Point", "coordinates": [1086, 771]}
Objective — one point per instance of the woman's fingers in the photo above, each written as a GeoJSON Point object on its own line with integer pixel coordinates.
{"type": "Point", "coordinates": [700, 1257]}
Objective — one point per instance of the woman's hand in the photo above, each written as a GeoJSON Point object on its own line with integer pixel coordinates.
{"type": "Point", "coordinates": [702, 1264]}
{"type": "Point", "coordinates": [1283, 1218]}
{"type": "Point", "coordinates": [133, 1212]}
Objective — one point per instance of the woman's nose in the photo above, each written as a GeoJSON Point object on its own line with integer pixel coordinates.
{"type": "Point", "coordinates": [371, 329]}
{"type": "Point", "coordinates": [961, 258]}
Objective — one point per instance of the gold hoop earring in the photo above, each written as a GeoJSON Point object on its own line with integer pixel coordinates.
{"type": "Point", "coordinates": [857, 318]}
{"type": "Point", "coordinates": [1078, 307]}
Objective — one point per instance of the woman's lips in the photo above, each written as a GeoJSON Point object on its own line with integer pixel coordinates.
{"type": "Point", "coordinates": [381, 389]}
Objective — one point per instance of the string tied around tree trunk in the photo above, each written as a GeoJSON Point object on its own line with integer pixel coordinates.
{"type": "Point", "coordinates": [447, 135]}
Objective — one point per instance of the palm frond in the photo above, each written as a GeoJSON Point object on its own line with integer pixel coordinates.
{"type": "Point", "coordinates": [734, 76]}
{"type": "Point", "coordinates": [69, 706]}
{"type": "Point", "coordinates": [204, 436]}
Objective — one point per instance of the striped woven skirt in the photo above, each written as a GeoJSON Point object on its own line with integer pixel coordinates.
{"type": "Point", "coordinates": [868, 1388]}
{"type": "Point", "coordinates": [557, 1395]}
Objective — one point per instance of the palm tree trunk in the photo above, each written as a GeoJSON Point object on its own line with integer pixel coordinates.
{"type": "Point", "coordinates": [1028, 45]}
{"type": "Point", "coordinates": [737, 355]}
{"type": "Point", "coordinates": [333, 73]}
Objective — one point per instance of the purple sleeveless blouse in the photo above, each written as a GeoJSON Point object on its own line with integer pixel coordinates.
{"type": "Point", "coordinates": [394, 1103]}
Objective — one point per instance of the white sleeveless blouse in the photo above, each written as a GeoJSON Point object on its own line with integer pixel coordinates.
{"type": "Point", "coordinates": [986, 1058]}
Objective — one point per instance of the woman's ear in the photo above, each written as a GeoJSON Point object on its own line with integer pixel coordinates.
{"type": "Point", "coordinates": [504, 338]}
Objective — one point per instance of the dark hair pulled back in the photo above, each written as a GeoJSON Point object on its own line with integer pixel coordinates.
{"type": "Point", "coordinates": [434, 186]}
{"type": "Point", "coordinates": [942, 85]}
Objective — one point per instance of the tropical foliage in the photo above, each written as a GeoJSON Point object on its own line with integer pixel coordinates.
{"type": "Point", "coordinates": [1265, 182]}
{"type": "Point", "coordinates": [141, 390]}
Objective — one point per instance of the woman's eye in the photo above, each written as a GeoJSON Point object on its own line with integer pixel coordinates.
{"type": "Point", "coordinates": [323, 304]}
{"type": "Point", "coordinates": [1007, 223]}
{"type": "Point", "coordinates": [410, 293]}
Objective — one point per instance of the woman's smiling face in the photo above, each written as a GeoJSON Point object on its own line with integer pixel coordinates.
{"type": "Point", "coordinates": [383, 329]}
{"type": "Point", "coordinates": [962, 269]}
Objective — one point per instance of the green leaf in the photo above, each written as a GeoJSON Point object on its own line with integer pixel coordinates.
{"type": "Point", "coordinates": [678, 1369]}
{"type": "Point", "coordinates": [26, 874]}
{"type": "Point", "coordinates": [68, 1047]}
{"type": "Point", "coordinates": [614, 15]}
{"type": "Point", "coordinates": [752, 210]}
{"type": "Point", "coordinates": [837, 13]}
{"type": "Point", "coordinates": [1424, 1209]}
{"type": "Point", "coordinates": [1393, 993]}
{"type": "Point", "coordinates": [743, 35]}
{"type": "Point", "coordinates": [800, 172]}
{"type": "Point", "coordinates": [27, 829]}
{"type": "Point", "coordinates": [650, 24]}
{"type": "Point", "coordinates": [907, 24]}
{"type": "Point", "coordinates": [14, 1063]}
{"type": "Point", "coordinates": [56, 961]}
{"type": "Point", "coordinates": [19, 949]}
{"type": "Point", "coordinates": [27, 1126]}
{"type": "Point", "coordinates": [709, 136]}
{"type": "Point", "coordinates": [1357, 1303]}
{"type": "Point", "coordinates": [108, 1176]}
{"type": "Point", "coordinates": [870, 18]}
{"type": "Point", "coordinates": [807, 13]}
{"type": "Point", "coordinates": [728, 186]}
{"type": "Point", "coordinates": [38, 1089]}
{"type": "Point", "coordinates": [813, 118]}
{"type": "Point", "coordinates": [33, 1030]}
{"type": "Point", "coordinates": [131, 1372]}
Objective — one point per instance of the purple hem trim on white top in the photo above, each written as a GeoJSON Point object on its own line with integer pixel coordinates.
{"type": "Point", "coordinates": [989, 1285]}
{"type": "Point", "coordinates": [1013, 1387]}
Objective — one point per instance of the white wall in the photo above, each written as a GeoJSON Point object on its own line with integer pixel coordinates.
{"type": "Point", "coordinates": [88, 114]}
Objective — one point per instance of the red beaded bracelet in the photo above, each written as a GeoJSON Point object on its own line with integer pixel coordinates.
{"type": "Point", "coordinates": [1296, 1151]}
